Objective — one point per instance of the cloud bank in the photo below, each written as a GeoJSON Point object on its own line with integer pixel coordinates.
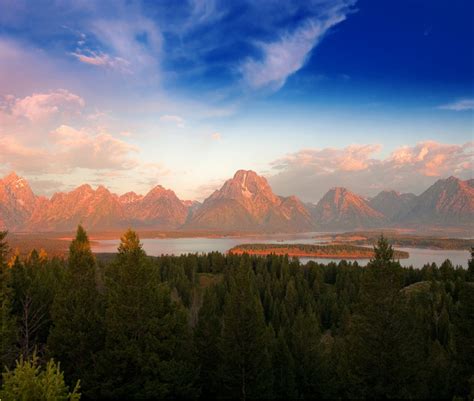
{"type": "Point", "coordinates": [311, 172]}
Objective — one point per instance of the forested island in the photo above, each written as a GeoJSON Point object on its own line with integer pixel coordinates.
{"type": "Point", "coordinates": [340, 251]}
{"type": "Point", "coordinates": [401, 240]}
{"type": "Point", "coordinates": [229, 326]}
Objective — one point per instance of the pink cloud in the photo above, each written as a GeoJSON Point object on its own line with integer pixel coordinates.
{"type": "Point", "coordinates": [78, 148]}
{"type": "Point", "coordinates": [311, 172]}
{"type": "Point", "coordinates": [40, 107]}
{"type": "Point", "coordinates": [67, 149]}
{"type": "Point", "coordinates": [100, 59]}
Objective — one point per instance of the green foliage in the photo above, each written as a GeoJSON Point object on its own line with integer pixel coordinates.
{"type": "Point", "coordinates": [30, 381]}
{"type": "Point", "coordinates": [147, 339]}
{"type": "Point", "coordinates": [206, 339]}
{"type": "Point", "coordinates": [8, 330]}
{"type": "Point", "coordinates": [76, 334]}
{"type": "Point", "coordinates": [246, 365]}
{"type": "Point", "coordinates": [217, 326]}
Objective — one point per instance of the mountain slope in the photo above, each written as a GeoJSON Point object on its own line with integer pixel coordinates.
{"type": "Point", "coordinates": [159, 208]}
{"type": "Point", "coordinates": [95, 209]}
{"type": "Point", "coordinates": [246, 202]}
{"type": "Point", "coordinates": [446, 202]}
{"type": "Point", "coordinates": [391, 203]}
{"type": "Point", "coordinates": [341, 209]}
{"type": "Point", "coordinates": [17, 202]}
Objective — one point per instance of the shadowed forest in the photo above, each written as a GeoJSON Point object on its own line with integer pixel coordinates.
{"type": "Point", "coordinates": [218, 326]}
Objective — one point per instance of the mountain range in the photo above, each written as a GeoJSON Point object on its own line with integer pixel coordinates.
{"type": "Point", "coordinates": [245, 203]}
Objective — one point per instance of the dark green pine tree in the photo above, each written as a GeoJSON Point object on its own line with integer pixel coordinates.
{"type": "Point", "coordinates": [206, 339]}
{"type": "Point", "coordinates": [8, 329]}
{"type": "Point", "coordinates": [470, 267]}
{"type": "Point", "coordinates": [246, 365]}
{"type": "Point", "coordinates": [384, 343]}
{"type": "Point", "coordinates": [305, 346]}
{"type": "Point", "coordinates": [76, 334]}
{"type": "Point", "coordinates": [148, 345]}
{"type": "Point", "coordinates": [464, 339]}
{"type": "Point", "coordinates": [284, 370]}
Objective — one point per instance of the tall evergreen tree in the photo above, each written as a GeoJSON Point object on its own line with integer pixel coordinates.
{"type": "Point", "coordinates": [246, 365]}
{"type": "Point", "coordinates": [384, 349]}
{"type": "Point", "coordinates": [206, 340]}
{"type": "Point", "coordinates": [147, 350]}
{"type": "Point", "coordinates": [8, 329]}
{"type": "Point", "coordinates": [30, 381]}
{"type": "Point", "coordinates": [464, 338]}
{"type": "Point", "coordinates": [470, 266]}
{"type": "Point", "coordinates": [283, 369]}
{"type": "Point", "coordinates": [76, 333]}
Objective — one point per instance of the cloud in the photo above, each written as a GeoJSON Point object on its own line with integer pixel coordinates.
{"type": "Point", "coordinates": [309, 173]}
{"type": "Point", "coordinates": [100, 59]}
{"type": "Point", "coordinates": [134, 43]}
{"type": "Point", "coordinates": [65, 150]}
{"type": "Point", "coordinates": [460, 105]}
{"type": "Point", "coordinates": [169, 118]}
{"type": "Point", "coordinates": [41, 107]}
{"type": "Point", "coordinates": [22, 158]}
{"type": "Point", "coordinates": [285, 56]}
{"type": "Point", "coordinates": [80, 149]}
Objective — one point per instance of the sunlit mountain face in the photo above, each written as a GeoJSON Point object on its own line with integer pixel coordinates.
{"type": "Point", "coordinates": [245, 203]}
{"type": "Point", "coordinates": [300, 97]}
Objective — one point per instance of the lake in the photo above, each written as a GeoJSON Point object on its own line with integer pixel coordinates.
{"type": "Point", "coordinates": [178, 246]}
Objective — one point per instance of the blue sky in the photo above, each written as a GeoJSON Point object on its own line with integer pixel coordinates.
{"type": "Point", "coordinates": [311, 94]}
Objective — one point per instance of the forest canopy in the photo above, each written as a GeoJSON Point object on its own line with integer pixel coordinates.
{"type": "Point", "coordinates": [208, 326]}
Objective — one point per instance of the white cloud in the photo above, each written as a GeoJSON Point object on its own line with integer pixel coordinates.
{"type": "Point", "coordinates": [134, 42]}
{"type": "Point", "coordinates": [288, 54]}
{"type": "Point", "coordinates": [170, 118]}
{"type": "Point", "coordinates": [460, 105]}
{"type": "Point", "coordinates": [309, 173]}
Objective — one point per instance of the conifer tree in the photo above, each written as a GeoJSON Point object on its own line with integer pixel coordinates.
{"type": "Point", "coordinates": [246, 365]}
{"type": "Point", "coordinates": [30, 381]}
{"type": "Point", "coordinates": [283, 369]}
{"type": "Point", "coordinates": [147, 349]}
{"type": "Point", "coordinates": [383, 343]}
{"type": "Point", "coordinates": [206, 340]}
{"type": "Point", "coordinates": [76, 333]}
{"type": "Point", "coordinates": [470, 267]}
{"type": "Point", "coordinates": [8, 328]}
{"type": "Point", "coordinates": [464, 338]}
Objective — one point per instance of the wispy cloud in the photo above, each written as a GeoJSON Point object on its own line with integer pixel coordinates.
{"type": "Point", "coordinates": [460, 105]}
{"type": "Point", "coordinates": [100, 59]}
{"type": "Point", "coordinates": [169, 118]}
{"type": "Point", "coordinates": [288, 54]}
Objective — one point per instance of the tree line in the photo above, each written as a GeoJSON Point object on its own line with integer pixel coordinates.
{"type": "Point", "coordinates": [224, 326]}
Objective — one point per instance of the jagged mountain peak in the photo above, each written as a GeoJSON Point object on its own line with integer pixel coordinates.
{"type": "Point", "coordinates": [341, 208]}
{"type": "Point", "coordinates": [247, 202]}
